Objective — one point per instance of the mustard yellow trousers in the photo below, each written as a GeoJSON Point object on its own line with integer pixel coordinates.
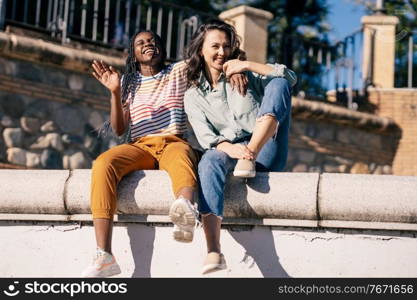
{"type": "Point", "coordinates": [169, 153]}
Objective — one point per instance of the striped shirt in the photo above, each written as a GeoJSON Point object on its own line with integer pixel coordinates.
{"type": "Point", "coordinates": [156, 102]}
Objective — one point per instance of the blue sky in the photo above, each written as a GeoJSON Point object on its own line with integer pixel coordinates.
{"type": "Point", "coordinates": [344, 17]}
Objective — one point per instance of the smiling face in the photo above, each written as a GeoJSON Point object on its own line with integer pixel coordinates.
{"type": "Point", "coordinates": [147, 50]}
{"type": "Point", "coordinates": [215, 50]}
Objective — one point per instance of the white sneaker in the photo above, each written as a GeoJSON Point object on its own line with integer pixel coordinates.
{"type": "Point", "coordinates": [214, 262]}
{"type": "Point", "coordinates": [104, 265]}
{"type": "Point", "coordinates": [183, 214]}
{"type": "Point", "coordinates": [245, 168]}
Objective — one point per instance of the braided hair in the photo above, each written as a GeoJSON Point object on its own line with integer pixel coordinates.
{"type": "Point", "coordinates": [129, 82]}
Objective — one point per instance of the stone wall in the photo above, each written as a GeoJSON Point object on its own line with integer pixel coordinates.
{"type": "Point", "coordinates": [400, 105]}
{"type": "Point", "coordinates": [51, 108]}
{"type": "Point", "coordinates": [329, 138]}
{"type": "Point", "coordinates": [49, 116]}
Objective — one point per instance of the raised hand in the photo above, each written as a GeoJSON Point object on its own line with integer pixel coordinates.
{"type": "Point", "coordinates": [108, 76]}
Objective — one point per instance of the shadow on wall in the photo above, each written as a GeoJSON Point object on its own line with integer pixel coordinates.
{"type": "Point", "coordinates": [260, 247]}
{"type": "Point", "coordinates": [141, 242]}
{"type": "Point", "coordinates": [141, 238]}
{"type": "Point", "coordinates": [258, 243]}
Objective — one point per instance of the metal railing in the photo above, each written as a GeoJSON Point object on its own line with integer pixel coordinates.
{"type": "Point", "coordinates": [108, 23]}
{"type": "Point", "coordinates": [405, 57]}
{"type": "Point", "coordinates": [322, 66]}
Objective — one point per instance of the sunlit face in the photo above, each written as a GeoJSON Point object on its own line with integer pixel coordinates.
{"type": "Point", "coordinates": [216, 49]}
{"type": "Point", "coordinates": [147, 49]}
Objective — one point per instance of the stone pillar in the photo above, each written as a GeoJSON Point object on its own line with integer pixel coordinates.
{"type": "Point", "coordinates": [379, 49]}
{"type": "Point", "coordinates": [252, 26]}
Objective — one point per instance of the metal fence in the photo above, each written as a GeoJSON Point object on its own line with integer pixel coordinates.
{"type": "Point", "coordinates": [324, 66]}
{"type": "Point", "coordinates": [108, 23]}
{"type": "Point", "coordinates": [405, 65]}
{"type": "Point", "coordinates": [320, 66]}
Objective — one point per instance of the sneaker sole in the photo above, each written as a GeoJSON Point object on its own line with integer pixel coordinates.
{"type": "Point", "coordinates": [112, 271]}
{"type": "Point", "coordinates": [185, 220]}
{"type": "Point", "coordinates": [108, 272]}
{"type": "Point", "coordinates": [183, 236]}
{"type": "Point", "coordinates": [213, 268]}
{"type": "Point", "coordinates": [245, 174]}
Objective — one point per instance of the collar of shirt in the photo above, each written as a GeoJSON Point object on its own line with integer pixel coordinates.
{"type": "Point", "coordinates": [204, 84]}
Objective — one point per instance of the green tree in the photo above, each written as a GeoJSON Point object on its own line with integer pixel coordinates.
{"type": "Point", "coordinates": [297, 27]}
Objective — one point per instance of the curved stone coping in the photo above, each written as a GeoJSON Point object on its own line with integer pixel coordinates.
{"type": "Point", "coordinates": [314, 110]}
{"type": "Point", "coordinates": [271, 199]}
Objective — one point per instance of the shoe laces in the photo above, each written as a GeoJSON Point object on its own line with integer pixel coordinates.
{"type": "Point", "coordinates": [194, 208]}
{"type": "Point", "coordinates": [99, 253]}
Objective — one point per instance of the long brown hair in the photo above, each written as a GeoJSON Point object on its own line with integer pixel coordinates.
{"type": "Point", "coordinates": [195, 61]}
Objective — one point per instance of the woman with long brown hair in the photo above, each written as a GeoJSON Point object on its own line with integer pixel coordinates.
{"type": "Point", "coordinates": [241, 133]}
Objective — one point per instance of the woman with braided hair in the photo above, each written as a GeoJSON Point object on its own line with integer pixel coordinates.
{"type": "Point", "coordinates": [147, 101]}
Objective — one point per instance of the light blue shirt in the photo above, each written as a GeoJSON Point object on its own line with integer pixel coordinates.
{"type": "Point", "coordinates": [222, 114]}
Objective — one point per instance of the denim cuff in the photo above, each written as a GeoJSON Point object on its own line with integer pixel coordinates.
{"type": "Point", "coordinates": [211, 213]}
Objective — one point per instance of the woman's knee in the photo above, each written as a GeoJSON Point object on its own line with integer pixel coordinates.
{"type": "Point", "coordinates": [278, 85]}
{"type": "Point", "coordinates": [103, 162]}
{"type": "Point", "coordinates": [212, 158]}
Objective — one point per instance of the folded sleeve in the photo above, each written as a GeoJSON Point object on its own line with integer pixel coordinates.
{"type": "Point", "coordinates": [258, 81]}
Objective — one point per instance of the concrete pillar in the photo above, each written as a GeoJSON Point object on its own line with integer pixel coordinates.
{"type": "Point", "coordinates": [252, 26]}
{"type": "Point", "coordinates": [379, 49]}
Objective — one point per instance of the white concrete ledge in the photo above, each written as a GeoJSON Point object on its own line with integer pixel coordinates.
{"type": "Point", "coordinates": [368, 198]}
{"type": "Point", "coordinates": [271, 199]}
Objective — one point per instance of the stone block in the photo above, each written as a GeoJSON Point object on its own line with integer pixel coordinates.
{"type": "Point", "coordinates": [359, 168]}
{"type": "Point", "coordinates": [300, 168]}
{"type": "Point", "coordinates": [30, 125]}
{"type": "Point", "coordinates": [51, 140]}
{"type": "Point", "coordinates": [75, 82]}
{"type": "Point", "coordinates": [298, 127]}
{"type": "Point", "coordinates": [368, 198]}
{"type": "Point", "coordinates": [3, 150]}
{"type": "Point", "coordinates": [49, 126]}
{"type": "Point", "coordinates": [387, 169]}
{"type": "Point", "coordinates": [7, 121]}
{"type": "Point", "coordinates": [16, 156]}
{"type": "Point", "coordinates": [13, 105]}
{"type": "Point", "coordinates": [343, 136]}
{"type": "Point", "coordinates": [51, 159]}
{"type": "Point", "coordinates": [13, 137]}
{"type": "Point", "coordinates": [69, 120]}
{"type": "Point", "coordinates": [96, 120]}
{"type": "Point", "coordinates": [38, 109]}
{"type": "Point", "coordinates": [33, 160]}
{"type": "Point", "coordinates": [55, 141]}
{"type": "Point", "coordinates": [79, 160]}
{"type": "Point", "coordinates": [326, 132]}
{"type": "Point", "coordinates": [32, 191]}
{"type": "Point", "coordinates": [306, 156]}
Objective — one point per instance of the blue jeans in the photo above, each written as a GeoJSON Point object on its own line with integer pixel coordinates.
{"type": "Point", "coordinates": [215, 165]}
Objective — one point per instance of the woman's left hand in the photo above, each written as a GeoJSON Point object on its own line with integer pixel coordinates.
{"type": "Point", "coordinates": [234, 66]}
